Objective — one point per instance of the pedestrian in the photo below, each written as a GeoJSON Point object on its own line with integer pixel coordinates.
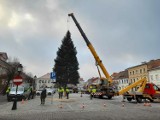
{"type": "Point", "coordinates": [93, 91]}
{"type": "Point", "coordinates": [31, 92]}
{"type": "Point", "coordinates": [62, 91]}
{"type": "Point", "coordinates": [67, 93]}
{"type": "Point", "coordinates": [7, 92]}
{"type": "Point", "coordinates": [59, 92]}
{"type": "Point", "coordinates": [43, 96]}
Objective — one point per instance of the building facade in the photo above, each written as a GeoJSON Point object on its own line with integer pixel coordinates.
{"type": "Point", "coordinates": [154, 76]}
{"type": "Point", "coordinates": [138, 72]}
{"type": "Point", "coordinates": [45, 80]}
{"type": "Point", "coordinates": [121, 79]}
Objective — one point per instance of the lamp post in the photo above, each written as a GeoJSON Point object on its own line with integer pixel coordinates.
{"type": "Point", "coordinates": [34, 83]}
{"type": "Point", "coordinates": [19, 69]}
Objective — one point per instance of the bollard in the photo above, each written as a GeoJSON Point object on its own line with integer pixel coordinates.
{"type": "Point", "coordinates": [14, 107]}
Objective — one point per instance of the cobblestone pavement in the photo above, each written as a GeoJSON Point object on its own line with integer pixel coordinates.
{"type": "Point", "coordinates": [3, 99]}
{"type": "Point", "coordinates": [79, 108]}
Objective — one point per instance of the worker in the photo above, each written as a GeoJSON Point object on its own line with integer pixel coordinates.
{"type": "Point", "coordinates": [62, 91]}
{"type": "Point", "coordinates": [67, 93]}
{"type": "Point", "coordinates": [7, 92]}
{"type": "Point", "coordinates": [59, 89]}
{"type": "Point", "coordinates": [31, 92]}
{"type": "Point", "coordinates": [43, 95]}
{"type": "Point", "coordinates": [93, 91]}
{"type": "Point", "coordinates": [90, 89]}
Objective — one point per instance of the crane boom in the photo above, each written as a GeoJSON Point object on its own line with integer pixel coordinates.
{"type": "Point", "coordinates": [91, 49]}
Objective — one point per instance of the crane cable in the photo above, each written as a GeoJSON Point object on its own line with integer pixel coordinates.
{"type": "Point", "coordinates": [98, 70]}
{"type": "Point", "coordinates": [68, 23]}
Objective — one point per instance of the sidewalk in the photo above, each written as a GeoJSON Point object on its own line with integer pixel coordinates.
{"type": "Point", "coordinates": [52, 104]}
{"type": "Point", "coordinates": [3, 99]}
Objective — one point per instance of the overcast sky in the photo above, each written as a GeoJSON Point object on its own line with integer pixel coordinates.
{"type": "Point", "coordinates": [124, 33]}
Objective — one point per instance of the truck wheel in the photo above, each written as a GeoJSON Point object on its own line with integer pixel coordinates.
{"type": "Point", "coordinates": [109, 97]}
{"type": "Point", "coordinates": [9, 99]}
{"type": "Point", "coordinates": [101, 96]}
{"type": "Point", "coordinates": [151, 100]}
{"type": "Point", "coordinates": [139, 99]}
{"type": "Point", "coordinates": [129, 99]}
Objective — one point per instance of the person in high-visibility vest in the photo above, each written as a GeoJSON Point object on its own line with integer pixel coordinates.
{"type": "Point", "coordinates": [31, 92]}
{"type": "Point", "coordinates": [67, 93]}
{"type": "Point", "coordinates": [7, 92]}
{"type": "Point", "coordinates": [59, 92]}
{"type": "Point", "coordinates": [93, 91]}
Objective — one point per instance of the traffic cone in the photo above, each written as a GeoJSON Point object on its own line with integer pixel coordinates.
{"type": "Point", "coordinates": [81, 94]}
{"type": "Point", "coordinates": [122, 105]}
{"type": "Point", "coordinates": [61, 106]}
{"type": "Point", "coordinates": [22, 102]}
{"type": "Point", "coordinates": [145, 104]}
{"type": "Point", "coordinates": [149, 104]}
{"type": "Point", "coordinates": [104, 105]}
{"type": "Point", "coordinates": [83, 106]}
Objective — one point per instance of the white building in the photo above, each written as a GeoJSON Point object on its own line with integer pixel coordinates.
{"type": "Point", "coordinates": [45, 80]}
{"type": "Point", "coordinates": [81, 83]}
{"type": "Point", "coordinates": [121, 79]}
{"type": "Point", "coordinates": [154, 76]}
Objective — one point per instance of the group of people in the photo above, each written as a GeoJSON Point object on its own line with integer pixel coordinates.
{"type": "Point", "coordinates": [61, 91]}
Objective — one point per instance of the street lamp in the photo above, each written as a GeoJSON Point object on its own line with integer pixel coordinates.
{"type": "Point", "coordinates": [19, 69]}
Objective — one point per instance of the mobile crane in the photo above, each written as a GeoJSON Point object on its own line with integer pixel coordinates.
{"type": "Point", "coordinates": [105, 88]}
{"type": "Point", "coordinates": [145, 91]}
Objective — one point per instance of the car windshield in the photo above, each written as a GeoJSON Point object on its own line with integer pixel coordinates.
{"type": "Point", "coordinates": [19, 89]}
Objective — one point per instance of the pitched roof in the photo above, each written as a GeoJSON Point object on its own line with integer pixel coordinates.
{"type": "Point", "coordinates": [121, 75]}
{"type": "Point", "coordinates": [46, 76]}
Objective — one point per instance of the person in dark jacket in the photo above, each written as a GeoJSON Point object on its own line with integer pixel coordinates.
{"type": "Point", "coordinates": [43, 96]}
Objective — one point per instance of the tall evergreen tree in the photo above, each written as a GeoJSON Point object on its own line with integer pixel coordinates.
{"type": "Point", "coordinates": [66, 63]}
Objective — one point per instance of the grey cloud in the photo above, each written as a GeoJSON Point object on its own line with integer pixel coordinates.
{"type": "Point", "coordinates": [124, 33]}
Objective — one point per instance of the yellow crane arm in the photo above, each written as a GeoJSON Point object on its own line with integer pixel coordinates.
{"type": "Point", "coordinates": [141, 82]}
{"type": "Point", "coordinates": [91, 49]}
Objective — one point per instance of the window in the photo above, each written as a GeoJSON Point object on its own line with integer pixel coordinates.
{"type": "Point", "coordinates": [140, 70]}
{"type": "Point", "coordinates": [39, 81]}
{"type": "Point", "coordinates": [48, 81]}
{"type": "Point", "coordinates": [130, 73]}
{"type": "Point", "coordinates": [156, 77]}
{"type": "Point", "coordinates": [151, 77]}
{"type": "Point", "coordinates": [155, 87]}
{"type": "Point", "coordinates": [136, 71]}
{"type": "Point", "coordinates": [133, 72]}
{"type": "Point", "coordinates": [144, 70]}
{"type": "Point", "coordinates": [147, 86]}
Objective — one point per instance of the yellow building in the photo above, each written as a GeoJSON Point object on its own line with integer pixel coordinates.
{"type": "Point", "coordinates": [138, 72]}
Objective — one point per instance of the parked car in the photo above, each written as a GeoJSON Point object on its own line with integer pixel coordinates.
{"type": "Point", "coordinates": [38, 92]}
{"type": "Point", "coordinates": [22, 93]}
{"type": "Point", "coordinates": [50, 91]}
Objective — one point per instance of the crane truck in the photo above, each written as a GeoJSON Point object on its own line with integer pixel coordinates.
{"type": "Point", "coordinates": [105, 88]}
{"type": "Point", "coordinates": [145, 91]}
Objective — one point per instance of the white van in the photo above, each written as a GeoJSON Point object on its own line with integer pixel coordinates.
{"type": "Point", "coordinates": [22, 93]}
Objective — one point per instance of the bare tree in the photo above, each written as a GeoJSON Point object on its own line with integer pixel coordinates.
{"type": "Point", "coordinates": [11, 71]}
